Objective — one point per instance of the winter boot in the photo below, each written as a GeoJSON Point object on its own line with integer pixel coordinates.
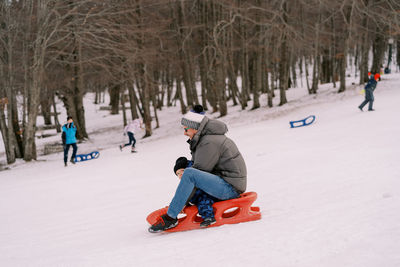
{"type": "Point", "coordinates": [65, 164]}
{"type": "Point", "coordinates": [360, 108]}
{"type": "Point", "coordinates": [207, 222]}
{"type": "Point", "coordinates": [72, 161]}
{"type": "Point", "coordinates": [120, 147]}
{"type": "Point", "coordinates": [133, 150]}
{"type": "Point", "coordinates": [164, 223]}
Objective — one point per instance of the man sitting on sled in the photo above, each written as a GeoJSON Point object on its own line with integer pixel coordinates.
{"type": "Point", "coordinates": [218, 167]}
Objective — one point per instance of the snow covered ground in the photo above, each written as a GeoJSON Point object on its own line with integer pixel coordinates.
{"type": "Point", "coordinates": [329, 192]}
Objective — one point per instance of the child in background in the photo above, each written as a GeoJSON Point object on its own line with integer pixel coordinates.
{"type": "Point", "coordinates": [369, 91]}
{"type": "Point", "coordinates": [131, 129]}
{"type": "Point", "coordinates": [69, 139]}
{"type": "Point", "coordinates": [202, 200]}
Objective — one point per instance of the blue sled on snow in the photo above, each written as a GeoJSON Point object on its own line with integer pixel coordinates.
{"type": "Point", "coordinates": [85, 157]}
{"type": "Point", "coordinates": [303, 122]}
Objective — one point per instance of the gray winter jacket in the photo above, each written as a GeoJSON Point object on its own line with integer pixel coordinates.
{"type": "Point", "coordinates": [213, 152]}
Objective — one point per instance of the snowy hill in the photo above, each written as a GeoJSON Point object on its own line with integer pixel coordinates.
{"type": "Point", "coordinates": [329, 192]}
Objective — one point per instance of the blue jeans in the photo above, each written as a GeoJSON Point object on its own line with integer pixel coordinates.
{"type": "Point", "coordinates": [209, 183]}
{"type": "Point", "coordinates": [66, 149]}
{"type": "Point", "coordinates": [369, 97]}
{"type": "Point", "coordinates": [132, 140]}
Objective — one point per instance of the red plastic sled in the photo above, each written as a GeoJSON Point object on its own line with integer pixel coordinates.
{"type": "Point", "coordinates": [226, 212]}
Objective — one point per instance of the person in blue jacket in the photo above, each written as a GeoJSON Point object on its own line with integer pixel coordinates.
{"type": "Point", "coordinates": [69, 139]}
{"type": "Point", "coordinates": [369, 92]}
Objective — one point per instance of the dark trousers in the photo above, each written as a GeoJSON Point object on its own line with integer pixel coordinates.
{"type": "Point", "coordinates": [66, 149]}
{"type": "Point", "coordinates": [204, 203]}
{"type": "Point", "coordinates": [132, 140]}
{"type": "Point", "coordinates": [369, 98]}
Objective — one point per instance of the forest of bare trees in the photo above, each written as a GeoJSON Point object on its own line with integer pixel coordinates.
{"type": "Point", "coordinates": [152, 53]}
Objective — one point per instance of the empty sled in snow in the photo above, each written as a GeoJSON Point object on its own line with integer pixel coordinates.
{"type": "Point", "coordinates": [230, 211]}
{"type": "Point", "coordinates": [303, 122]}
{"type": "Point", "coordinates": [84, 157]}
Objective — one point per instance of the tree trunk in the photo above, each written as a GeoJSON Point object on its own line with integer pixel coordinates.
{"type": "Point", "coordinates": [124, 120]}
{"type": "Point", "coordinates": [9, 120]}
{"type": "Point", "coordinates": [9, 124]}
{"type": "Point", "coordinates": [342, 64]}
{"type": "Point", "coordinates": [154, 101]}
{"type": "Point", "coordinates": [333, 53]}
{"type": "Point", "coordinates": [232, 78]}
{"type": "Point", "coordinates": [315, 79]}
{"type": "Point", "coordinates": [5, 132]}
{"type": "Point", "coordinates": [78, 91]}
{"type": "Point", "coordinates": [114, 98]}
{"type": "Point", "coordinates": [170, 86]}
{"type": "Point", "coordinates": [365, 47]}
{"type": "Point", "coordinates": [283, 73]}
{"type": "Point", "coordinates": [398, 52]}
{"type": "Point", "coordinates": [293, 68]}
{"type": "Point", "coordinates": [10, 155]}
{"type": "Point", "coordinates": [245, 77]}
{"type": "Point", "coordinates": [284, 63]}
{"type": "Point", "coordinates": [146, 100]}
{"type": "Point", "coordinates": [16, 131]}
{"type": "Point", "coordinates": [56, 121]}
{"type": "Point", "coordinates": [258, 79]}
{"type": "Point", "coordinates": [185, 55]}
{"type": "Point", "coordinates": [300, 64]}
{"type": "Point", "coordinates": [45, 105]}
{"type": "Point", "coordinates": [379, 47]}
{"type": "Point", "coordinates": [315, 75]}
{"type": "Point", "coordinates": [220, 88]}
{"type": "Point", "coordinates": [203, 80]}
{"type": "Point", "coordinates": [306, 70]}
{"type": "Point", "coordinates": [179, 93]}
{"type": "Point", "coordinates": [364, 58]}
{"type": "Point", "coordinates": [258, 62]}
{"type": "Point", "coordinates": [326, 71]}
{"type": "Point", "coordinates": [97, 96]}
{"type": "Point", "coordinates": [342, 73]}
{"type": "Point", "coordinates": [345, 43]}
{"type": "Point", "coordinates": [269, 88]}
{"type": "Point", "coordinates": [133, 101]}
{"type": "Point", "coordinates": [33, 104]}
{"type": "Point", "coordinates": [212, 92]}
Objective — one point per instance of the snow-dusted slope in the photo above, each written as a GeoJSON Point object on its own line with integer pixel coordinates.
{"type": "Point", "coordinates": [329, 193]}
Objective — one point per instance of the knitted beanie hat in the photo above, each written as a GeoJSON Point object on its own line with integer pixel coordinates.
{"type": "Point", "coordinates": [181, 163]}
{"type": "Point", "coordinates": [192, 120]}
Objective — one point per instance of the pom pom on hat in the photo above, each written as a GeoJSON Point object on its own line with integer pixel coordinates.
{"type": "Point", "coordinates": [181, 163]}
{"type": "Point", "coordinates": [198, 109]}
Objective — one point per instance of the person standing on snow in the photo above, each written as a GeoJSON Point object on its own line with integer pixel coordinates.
{"type": "Point", "coordinates": [218, 167]}
{"type": "Point", "coordinates": [369, 92]}
{"type": "Point", "coordinates": [131, 129]}
{"type": "Point", "coordinates": [69, 139]}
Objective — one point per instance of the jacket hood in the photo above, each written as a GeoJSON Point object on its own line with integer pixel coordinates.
{"type": "Point", "coordinates": [212, 127]}
{"type": "Point", "coordinates": [208, 127]}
